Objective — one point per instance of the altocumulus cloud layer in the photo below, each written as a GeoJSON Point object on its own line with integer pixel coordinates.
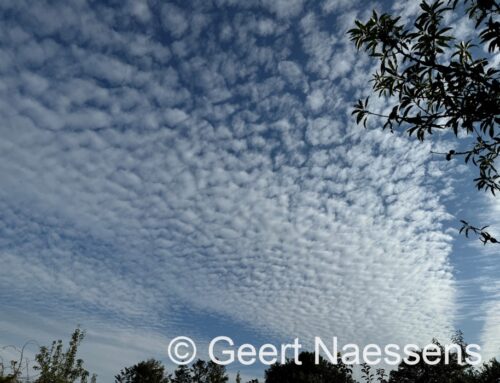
{"type": "Point", "coordinates": [165, 161]}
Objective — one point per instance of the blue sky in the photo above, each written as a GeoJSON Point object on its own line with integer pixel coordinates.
{"type": "Point", "coordinates": [192, 168]}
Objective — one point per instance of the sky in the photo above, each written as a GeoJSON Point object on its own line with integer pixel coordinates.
{"type": "Point", "coordinates": [192, 168]}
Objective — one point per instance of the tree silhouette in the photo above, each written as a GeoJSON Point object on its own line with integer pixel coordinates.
{"type": "Point", "coordinates": [309, 371]}
{"type": "Point", "coordinates": [182, 375]}
{"type": "Point", "coordinates": [150, 371]}
{"type": "Point", "coordinates": [57, 366]}
{"type": "Point", "coordinates": [490, 372]}
{"type": "Point", "coordinates": [216, 373]}
{"type": "Point", "coordinates": [199, 371]}
{"type": "Point", "coordinates": [434, 86]}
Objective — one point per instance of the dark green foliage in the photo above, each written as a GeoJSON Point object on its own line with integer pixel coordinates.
{"type": "Point", "coordinates": [10, 378]}
{"type": "Point", "coordinates": [13, 375]}
{"type": "Point", "coordinates": [490, 373]}
{"type": "Point", "coordinates": [201, 372]}
{"type": "Point", "coordinates": [150, 371]}
{"type": "Point", "coordinates": [216, 373]}
{"type": "Point", "coordinates": [453, 372]}
{"type": "Point", "coordinates": [182, 375]}
{"type": "Point", "coordinates": [309, 371]}
{"type": "Point", "coordinates": [57, 366]}
{"type": "Point", "coordinates": [438, 83]}
{"type": "Point", "coordinates": [373, 376]}
{"type": "Point", "coordinates": [457, 370]}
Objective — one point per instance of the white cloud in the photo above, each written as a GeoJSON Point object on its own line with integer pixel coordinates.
{"type": "Point", "coordinates": [292, 73]}
{"type": "Point", "coordinates": [150, 184]}
{"type": "Point", "coordinates": [284, 8]}
{"type": "Point", "coordinates": [330, 6]}
{"type": "Point", "coordinates": [175, 116]}
{"type": "Point", "coordinates": [140, 9]}
{"type": "Point", "coordinates": [325, 131]}
{"type": "Point", "coordinates": [316, 99]}
{"type": "Point", "coordinates": [490, 342]}
{"type": "Point", "coordinates": [174, 19]}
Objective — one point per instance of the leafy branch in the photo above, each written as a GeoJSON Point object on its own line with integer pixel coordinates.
{"type": "Point", "coordinates": [437, 82]}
